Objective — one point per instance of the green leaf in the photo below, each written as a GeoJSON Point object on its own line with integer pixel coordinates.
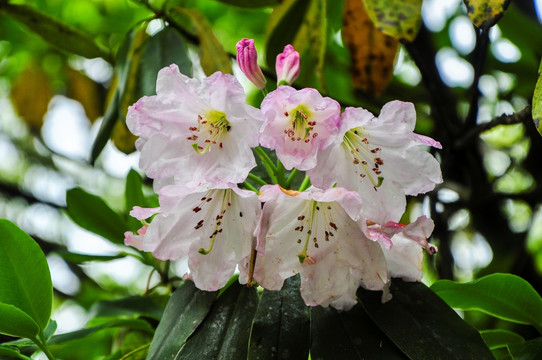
{"type": "Point", "coordinates": [225, 332]}
{"type": "Point", "coordinates": [313, 34]}
{"type": "Point", "coordinates": [281, 327]}
{"type": "Point", "coordinates": [250, 3]}
{"type": "Point", "coordinates": [185, 311]}
{"type": "Point", "coordinates": [15, 322]}
{"type": "Point", "coordinates": [129, 306]}
{"type": "Point", "coordinates": [25, 281]}
{"type": "Point", "coordinates": [348, 335]}
{"type": "Point", "coordinates": [283, 26]}
{"type": "Point", "coordinates": [537, 102]}
{"type": "Point", "coordinates": [398, 18]}
{"type": "Point", "coordinates": [495, 339]}
{"type": "Point", "coordinates": [81, 258]}
{"type": "Point", "coordinates": [528, 350]}
{"type": "Point", "coordinates": [106, 128]}
{"type": "Point", "coordinates": [50, 330]}
{"type": "Point", "coordinates": [485, 13]}
{"type": "Point", "coordinates": [505, 296]}
{"type": "Point", "coordinates": [92, 213]}
{"type": "Point", "coordinates": [56, 32]}
{"type": "Point", "coordinates": [9, 352]}
{"type": "Point", "coordinates": [422, 325]}
{"type": "Point", "coordinates": [213, 57]}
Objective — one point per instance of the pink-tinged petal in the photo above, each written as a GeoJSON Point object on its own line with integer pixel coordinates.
{"type": "Point", "coordinates": [426, 140]}
{"type": "Point", "coordinates": [143, 213]}
{"type": "Point", "coordinates": [298, 124]}
{"type": "Point", "coordinates": [195, 131]}
{"type": "Point", "coordinates": [247, 58]}
{"type": "Point", "coordinates": [312, 234]}
{"type": "Point", "coordinates": [212, 226]}
{"type": "Point", "coordinates": [287, 66]}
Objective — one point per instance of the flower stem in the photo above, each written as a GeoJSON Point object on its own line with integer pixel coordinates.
{"type": "Point", "coordinates": [268, 163]}
{"type": "Point", "coordinates": [247, 185]}
{"type": "Point", "coordinates": [280, 174]}
{"type": "Point", "coordinates": [291, 178]}
{"type": "Point", "coordinates": [305, 184]}
{"type": "Point", "coordinates": [256, 179]}
{"type": "Point", "coordinates": [43, 345]}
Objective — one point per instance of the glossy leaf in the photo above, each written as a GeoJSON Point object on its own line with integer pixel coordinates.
{"type": "Point", "coordinates": [372, 53]}
{"type": "Point", "coordinates": [82, 258]}
{"type": "Point", "coordinates": [224, 334]}
{"type": "Point", "coordinates": [348, 335]}
{"type": "Point", "coordinates": [312, 38]}
{"type": "Point", "coordinates": [281, 327]}
{"type": "Point", "coordinates": [282, 27]}
{"type": "Point", "coordinates": [422, 325]}
{"type": "Point", "coordinates": [25, 281]}
{"type": "Point", "coordinates": [495, 339]}
{"type": "Point", "coordinates": [15, 322]}
{"type": "Point", "coordinates": [505, 296]}
{"type": "Point", "coordinates": [398, 18]}
{"type": "Point", "coordinates": [56, 32]}
{"type": "Point", "coordinates": [185, 311]}
{"type": "Point", "coordinates": [129, 306]}
{"type": "Point", "coordinates": [9, 353]}
{"type": "Point", "coordinates": [213, 57]}
{"type": "Point", "coordinates": [528, 350]}
{"type": "Point", "coordinates": [250, 3]}
{"type": "Point", "coordinates": [537, 102]}
{"type": "Point", "coordinates": [485, 13]}
{"type": "Point", "coordinates": [92, 213]}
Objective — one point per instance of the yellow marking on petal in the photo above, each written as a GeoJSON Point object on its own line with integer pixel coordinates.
{"type": "Point", "coordinates": [289, 192]}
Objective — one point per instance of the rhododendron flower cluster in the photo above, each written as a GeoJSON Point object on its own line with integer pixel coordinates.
{"type": "Point", "coordinates": [339, 230]}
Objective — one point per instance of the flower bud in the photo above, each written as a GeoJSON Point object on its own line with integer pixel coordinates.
{"type": "Point", "coordinates": [287, 66]}
{"type": "Point", "coordinates": [247, 58]}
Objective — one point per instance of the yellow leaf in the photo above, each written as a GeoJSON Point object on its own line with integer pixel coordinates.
{"type": "Point", "coordinates": [372, 52]}
{"type": "Point", "coordinates": [30, 94]}
{"type": "Point", "coordinates": [537, 101]}
{"type": "Point", "coordinates": [485, 13]}
{"type": "Point", "coordinates": [81, 88]}
{"type": "Point", "coordinates": [123, 139]}
{"type": "Point", "coordinates": [398, 18]}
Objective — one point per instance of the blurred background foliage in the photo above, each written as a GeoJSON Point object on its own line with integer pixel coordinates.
{"type": "Point", "coordinates": [60, 104]}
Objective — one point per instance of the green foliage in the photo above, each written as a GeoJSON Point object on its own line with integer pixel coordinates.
{"type": "Point", "coordinates": [397, 18]}
{"type": "Point", "coordinates": [483, 13]}
{"type": "Point", "coordinates": [537, 101]}
{"type": "Point", "coordinates": [505, 296]}
{"type": "Point", "coordinates": [94, 214]}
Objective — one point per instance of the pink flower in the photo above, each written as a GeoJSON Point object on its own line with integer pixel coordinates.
{"type": "Point", "coordinates": [287, 66]}
{"type": "Point", "coordinates": [315, 234]}
{"type": "Point", "coordinates": [381, 158]}
{"type": "Point", "coordinates": [195, 131]}
{"type": "Point", "coordinates": [298, 124]}
{"type": "Point", "coordinates": [403, 246]}
{"type": "Point", "coordinates": [213, 226]}
{"type": "Point", "coordinates": [247, 58]}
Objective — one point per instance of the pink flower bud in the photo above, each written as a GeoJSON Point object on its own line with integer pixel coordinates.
{"type": "Point", "coordinates": [287, 66]}
{"type": "Point", "coordinates": [247, 58]}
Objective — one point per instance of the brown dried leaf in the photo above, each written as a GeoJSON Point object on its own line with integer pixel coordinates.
{"type": "Point", "coordinates": [81, 88]}
{"type": "Point", "coordinates": [372, 52]}
{"type": "Point", "coordinates": [30, 95]}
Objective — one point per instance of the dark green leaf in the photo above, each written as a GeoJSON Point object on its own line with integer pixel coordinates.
{"type": "Point", "coordinates": [106, 128]}
{"type": "Point", "coordinates": [348, 335]}
{"type": "Point", "coordinates": [133, 305]}
{"type": "Point", "coordinates": [225, 332]}
{"type": "Point", "coordinates": [56, 32]}
{"type": "Point", "coordinates": [528, 350]}
{"type": "Point", "coordinates": [185, 311]}
{"type": "Point", "coordinates": [213, 57]}
{"type": "Point", "coordinates": [281, 327]}
{"type": "Point", "coordinates": [250, 3]}
{"type": "Point", "coordinates": [92, 213]}
{"type": "Point", "coordinates": [81, 258]}
{"type": "Point", "coordinates": [283, 26]}
{"type": "Point", "coordinates": [15, 322]}
{"type": "Point", "coordinates": [422, 325]}
{"type": "Point", "coordinates": [163, 49]}
{"type": "Point", "coordinates": [500, 338]}
{"type": "Point", "coordinates": [25, 281]}
{"type": "Point", "coordinates": [9, 352]}
{"type": "Point", "coordinates": [505, 296]}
